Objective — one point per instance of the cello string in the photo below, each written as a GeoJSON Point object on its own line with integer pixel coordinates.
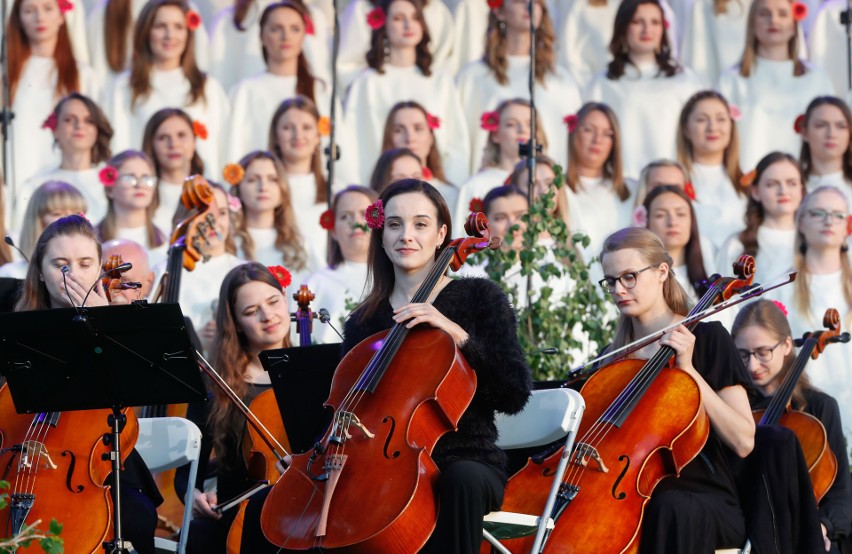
{"type": "Point", "coordinates": [35, 437]}
{"type": "Point", "coordinates": [19, 478]}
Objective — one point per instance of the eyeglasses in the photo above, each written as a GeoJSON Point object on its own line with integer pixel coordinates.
{"type": "Point", "coordinates": [627, 280]}
{"type": "Point", "coordinates": [827, 216]}
{"type": "Point", "coordinates": [131, 181]}
{"type": "Point", "coordinates": [762, 354]}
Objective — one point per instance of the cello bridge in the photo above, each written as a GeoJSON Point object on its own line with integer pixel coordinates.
{"type": "Point", "coordinates": [342, 422]}
{"type": "Point", "coordinates": [32, 452]}
{"type": "Point", "coordinates": [585, 453]}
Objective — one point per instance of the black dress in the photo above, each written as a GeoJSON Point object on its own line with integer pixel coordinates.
{"type": "Point", "coordinates": [699, 511]}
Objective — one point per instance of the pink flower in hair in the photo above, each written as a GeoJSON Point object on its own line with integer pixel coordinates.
{"type": "Point", "coordinates": [735, 112]}
{"type": "Point", "coordinates": [65, 6]}
{"type": "Point", "coordinates": [108, 176]}
{"type": "Point", "coordinates": [433, 121]}
{"type": "Point", "coordinates": [780, 305]}
{"type": "Point", "coordinates": [490, 121]}
{"type": "Point", "coordinates": [571, 122]}
{"type": "Point", "coordinates": [639, 217]}
{"type": "Point", "coordinates": [309, 25]}
{"type": "Point", "coordinates": [376, 18]}
{"type": "Point", "coordinates": [375, 215]}
{"type": "Point", "coordinates": [50, 122]}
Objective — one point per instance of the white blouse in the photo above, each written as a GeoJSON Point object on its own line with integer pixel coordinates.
{"type": "Point", "coordinates": [334, 288]}
{"type": "Point", "coordinates": [774, 255]}
{"type": "Point", "coordinates": [476, 187]}
{"type": "Point", "coordinates": [86, 181]}
{"type": "Point", "coordinates": [169, 200]}
{"type": "Point", "coordinates": [719, 209]}
{"type": "Point", "coordinates": [139, 235]}
{"type": "Point", "coordinates": [598, 197]}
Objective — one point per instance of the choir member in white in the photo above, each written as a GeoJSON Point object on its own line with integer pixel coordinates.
{"type": "Point", "coordinates": [771, 85]}
{"type": "Point", "coordinates": [109, 33]}
{"type": "Point", "coordinates": [393, 165]}
{"type": "Point", "coordinates": [669, 214]}
{"type": "Point", "coordinates": [267, 230]}
{"type": "Point", "coordinates": [503, 73]}
{"type": "Point", "coordinates": [770, 219]}
{"type": "Point", "coordinates": [507, 127]}
{"type": "Point", "coordinates": [643, 84]}
{"type": "Point", "coordinates": [824, 281]}
{"type": "Point", "coordinates": [410, 126]}
{"type": "Point", "coordinates": [355, 37]}
{"type": "Point", "coordinates": [51, 201]}
{"type": "Point", "coordinates": [595, 175]}
{"type": "Point", "coordinates": [344, 280]}
{"type": "Point", "coordinates": [236, 53]}
{"type": "Point", "coordinates": [714, 36]}
{"type": "Point", "coordinates": [658, 173]}
{"type": "Point", "coordinates": [708, 146]}
{"type": "Point", "coordinates": [41, 68]}
{"type": "Point", "coordinates": [82, 134]}
{"type": "Point", "coordinates": [826, 154]}
{"type": "Point", "coordinates": [470, 29]}
{"type": "Point", "coordinates": [400, 68]}
{"type": "Point", "coordinates": [164, 74]}
{"type": "Point", "coordinates": [169, 142]}
{"type": "Point", "coordinates": [564, 208]}
{"type": "Point", "coordinates": [827, 42]}
{"type": "Point", "coordinates": [129, 183]}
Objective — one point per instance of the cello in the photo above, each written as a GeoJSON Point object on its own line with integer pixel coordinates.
{"type": "Point", "coordinates": [261, 460]}
{"type": "Point", "coordinates": [318, 501]}
{"type": "Point", "coordinates": [822, 465]}
{"type": "Point", "coordinates": [623, 447]}
{"type": "Point", "coordinates": [58, 464]}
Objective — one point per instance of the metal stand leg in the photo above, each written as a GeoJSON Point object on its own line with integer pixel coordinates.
{"type": "Point", "coordinates": [116, 421]}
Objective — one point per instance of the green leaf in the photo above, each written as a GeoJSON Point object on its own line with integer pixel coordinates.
{"type": "Point", "coordinates": [55, 527]}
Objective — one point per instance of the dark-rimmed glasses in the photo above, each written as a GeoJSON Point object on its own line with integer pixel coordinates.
{"type": "Point", "coordinates": [762, 354]}
{"type": "Point", "coordinates": [627, 280]}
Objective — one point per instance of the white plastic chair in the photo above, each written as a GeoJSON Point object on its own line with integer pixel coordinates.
{"type": "Point", "coordinates": [167, 443]}
{"type": "Point", "coordinates": [548, 416]}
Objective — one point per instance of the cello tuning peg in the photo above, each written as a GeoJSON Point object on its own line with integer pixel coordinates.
{"type": "Point", "coordinates": [842, 337]}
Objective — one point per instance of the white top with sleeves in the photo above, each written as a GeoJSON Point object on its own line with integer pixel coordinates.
{"type": "Point", "coordinates": [774, 255]}
{"type": "Point", "coordinates": [827, 43]}
{"type": "Point", "coordinates": [169, 200]}
{"type": "Point", "coordinates": [605, 213]}
{"type": "Point", "coordinates": [648, 107]}
{"type": "Point", "coordinates": [719, 209]}
{"type": "Point", "coordinates": [334, 288]}
{"type": "Point", "coordinates": [476, 187]}
{"type": "Point", "coordinates": [86, 181]}
{"type": "Point", "coordinates": [770, 99]}
{"type": "Point", "coordinates": [480, 92]}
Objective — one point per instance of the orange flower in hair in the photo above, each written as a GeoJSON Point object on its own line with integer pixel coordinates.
{"type": "Point", "coordinates": [281, 275]}
{"type": "Point", "coordinates": [193, 20]}
{"type": "Point", "coordinates": [233, 174]}
{"type": "Point", "coordinates": [324, 126]}
{"type": "Point", "coordinates": [199, 129]}
{"type": "Point", "coordinates": [748, 178]}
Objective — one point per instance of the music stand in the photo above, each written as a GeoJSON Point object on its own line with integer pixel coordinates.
{"type": "Point", "coordinates": [301, 379]}
{"type": "Point", "coordinates": [109, 357]}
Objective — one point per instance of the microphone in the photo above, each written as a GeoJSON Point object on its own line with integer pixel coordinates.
{"type": "Point", "coordinates": [65, 269]}
{"type": "Point", "coordinates": [325, 317]}
{"type": "Point", "coordinates": [126, 266]}
{"type": "Point", "coordinates": [11, 243]}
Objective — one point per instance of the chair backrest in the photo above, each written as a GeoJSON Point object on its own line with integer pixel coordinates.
{"type": "Point", "coordinates": [548, 416]}
{"type": "Point", "coordinates": [168, 442]}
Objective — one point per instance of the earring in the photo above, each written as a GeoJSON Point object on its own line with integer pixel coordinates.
{"type": "Point", "coordinates": [387, 48]}
{"type": "Point", "coordinates": [501, 25]}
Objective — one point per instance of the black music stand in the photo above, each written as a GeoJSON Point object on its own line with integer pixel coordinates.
{"type": "Point", "coordinates": [110, 357]}
{"type": "Point", "coordinates": [301, 379]}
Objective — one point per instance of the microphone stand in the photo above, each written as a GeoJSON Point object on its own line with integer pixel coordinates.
{"type": "Point", "coordinates": [332, 150]}
{"type": "Point", "coordinates": [846, 21]}
{"type": "Point", "coordinates": [6, 114]}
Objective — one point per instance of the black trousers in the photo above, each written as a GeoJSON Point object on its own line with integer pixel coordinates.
{"type": "Point", "coordinates": [210, 536]}
{"type": "Point", "coordinates": [467, 491]}
{"type": "Point", "coordinates": [138, 520]}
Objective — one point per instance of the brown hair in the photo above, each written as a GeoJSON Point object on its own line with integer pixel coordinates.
{"type": "Point", "coordinates": [308, 106]}
{"type": "Point", "coordinates": [378, 40]}
{"type": "Point", "coordinates": [380, 268]}
{"type": "Point", "coordinates": [618, 45]}
{"type": "Point", "coordinates": [731, 158]}
{"type": "Point", "coordinates": [48, 197]}
{"type": "Point", "coordinates": [755, 214]}
{"type": "Point", "coordinates": [335, 255]}
{"type": "Point", "coordinates": [19, 51]}
{"type": "Point", "coordinates": [769, 317]}
{"type": "Point", "coordinates": [491, 152]}
{"type": "Point", "coordinates": [497, 60]}
{"type": "Point", "coordinates": [304, 76]}
{"type": "Point", "coordinates": [433, 159]}
{"type": "Point", "coordinates": [107, 228]}
{"type": "Point", "coordinates": [143, 58]}
{"type": "Point", "coordinates": [100, 150]}
{"type": "Point", "coordinates": [118, 18]}
{"type": "Point", "coordinates": [380, 178]}
{"type": "Point", "coordinates": [645, 174]}
{"type": "Point", "coordinates": [613, 168]}
{"type": "Point", "coordinates": [229, 354]}
{"type": "Point", "coordinates": [805, 152]}
{"type": "Point", "coordinates": [694, 257]}
{"type": "Point", "coordinates": [288, 240]}
{"type": "Point", "coordinates": [561, 198]}
{"type": "Point", "coordinates": [651, 248]}
{"type": "Point", "coordinates": [34, 295]}
{"type": "Point", "coordinates": [749, 57]}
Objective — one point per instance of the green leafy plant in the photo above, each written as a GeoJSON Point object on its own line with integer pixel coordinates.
{"type": "Point", "coordinates": [576, 323]}
{"type": "Point", "coordinates": [49, 540]}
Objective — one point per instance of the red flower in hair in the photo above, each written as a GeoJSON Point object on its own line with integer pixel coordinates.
{"type": "Point", "coordinates": [281, 275]}
{"type": "Point", "coordinates": [309, 25]}
{"type": "Point", "coordinates": [689, 190]}
{"type": "Point", "coordinates": [427, 174]}
{"type": "Point", "coordinates": [571, 122]}
{"type": "Point", "coordinates": [50, 122]}
{"type": "Point", "coordinates": [666, 23]}
{"type": "Point", "coordinates": [495, 4]}
{"type": "Point", "coordinates": [433, 121]}
{"type": "Point", "coordinates": [848, 225]}
{"type": "Point", "coordinates": [748, 178]}
{"type": "Point", "coordinates": [108, 176]}
{"type": "Point", "coordinates": [199, 129]}
{"type": "Point", "coordinates": [65, 6]}
{"type": "Point", "coordinates": [375, 214]}
{"type": "Point", "coordinates": [327, 220]}
{"type": "Point", "coordinates": [490, 121]}
{"type": "Point", "coordinates": [193, 20]}
{"type": "Point", "coordinates": [800, 11]}
{"type": "Point", "coordinates": [799, 124]}
{"type": "Point", "coordinates": [476, 205]}
{"type": "Point", "coordinates": [639, 218]}
{"type": "Point", "coordinates": [780, 305]}
{"type": "Point", "coordinates": [376, 18]}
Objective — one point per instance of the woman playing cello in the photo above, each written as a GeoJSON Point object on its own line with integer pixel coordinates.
{"type": "Point", "coordinates": [411, 224]}
{"type": "Point", "coordinates": [699, 511]}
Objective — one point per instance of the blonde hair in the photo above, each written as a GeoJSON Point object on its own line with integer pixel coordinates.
{"type": "Point", "coordinates": [51, 196]}
{"type": "Point", "coordinates": [802, 292]}
{"type": "Point", "coordinates": [749, 57]}
{"type": "Point", "coordinates": [651, 248]}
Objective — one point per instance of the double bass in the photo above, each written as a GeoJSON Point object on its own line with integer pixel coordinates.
{"type": "Point", "coordinates": [822, 464]}
{"type": "Point", "coordinates": [384, 426]}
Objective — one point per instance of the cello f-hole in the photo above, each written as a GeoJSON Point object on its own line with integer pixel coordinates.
{"type": "Point", "coordinates": [70, 473]}
{"type": "Point", "coordinates": [396, 453]}
{"type": "Point", "coordinates": [621, 495]}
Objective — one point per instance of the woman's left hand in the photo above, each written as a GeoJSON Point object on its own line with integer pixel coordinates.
{"type": "Point", "coordinates": [683, 343]}
{"type": "Point", "coordinates": [416, 314]}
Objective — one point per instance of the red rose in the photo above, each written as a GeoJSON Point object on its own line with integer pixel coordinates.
{"type": "Point", "coordinates": [433, 121]}
{"type": "Point", "coordinates": [800, 11]}
{"type": "Point", "coordinates": [50, 122]}
{"type": "Point", "coordinates": [108, 176]}
{"type": "Point", "coordinates": [65, 6]}
{"type": "Point", "coordinates": [309, 25]}
{"type": "Point", "coordinates": [375, 214]}
{"type": "Point", "coordinates": [490, 121]}
{"type": "Point", "coordinates": [476, 205]}
{"type": "Point", "coordinates": [427, 174]}
{"type": "Point", "coordinates": [281, 275]}
{"type": "Point", "coordinates": [327, 220]}
{"type": "Point", "coordinates": [571, 122]}
{"type": "Point", "coordinates": [495, 4]}
{"type": "Point", "coordinates": [689, 190]}
{"type": "Point", "coordinates": [193, 20]}
{"type": "Point", "coordinates": [376, 18]}
{"type": "Point", "coordinates": [799, 124]}
{"type": "Point", "coordinates": [848, 225]}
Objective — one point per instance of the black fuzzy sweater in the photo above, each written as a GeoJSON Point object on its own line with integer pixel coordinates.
{"type": "Point", "coordinates": [503, 377]}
